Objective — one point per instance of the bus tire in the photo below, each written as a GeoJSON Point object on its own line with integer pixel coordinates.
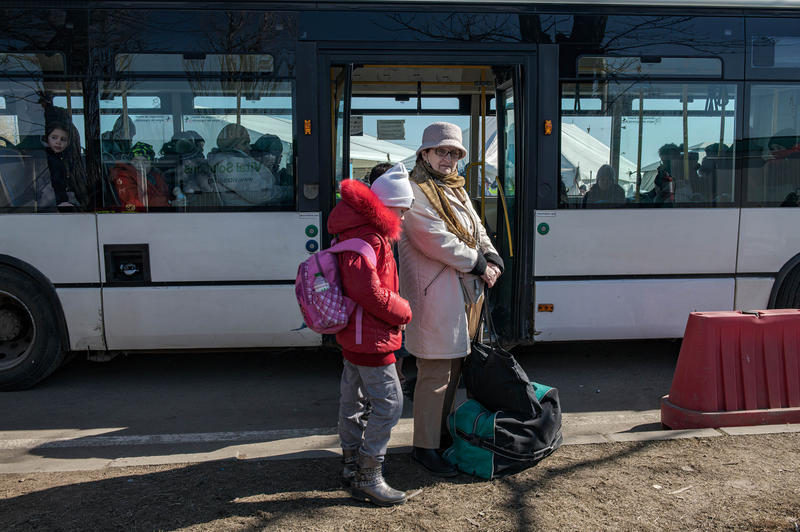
{"type": "Point", "coordinates": [30, 345]}
{"type": "Point", "coordinates": [788, 295]}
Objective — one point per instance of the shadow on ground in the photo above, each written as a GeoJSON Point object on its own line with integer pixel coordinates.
{"type": "Point", "coordinates": [266, 494]}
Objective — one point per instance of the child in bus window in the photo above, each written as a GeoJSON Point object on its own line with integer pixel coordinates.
{"type": "Point", "coordinates": [56, 139]}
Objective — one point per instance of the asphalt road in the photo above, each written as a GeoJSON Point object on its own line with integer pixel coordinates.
{"type": "Point", "coordinates": [187, 403]}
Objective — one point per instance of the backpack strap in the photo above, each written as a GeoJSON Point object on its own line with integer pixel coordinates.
{"type": "Point", "coordinates": [356, 245]}
{"type": "Point", "coordinates": [364, 249]}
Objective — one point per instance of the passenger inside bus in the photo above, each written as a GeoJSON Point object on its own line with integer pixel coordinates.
{"type": "Point", "coordinates": [56, 139]}
{"type": "Point", "coordinates": [241, 180]}
{"type": "Point", "coordinates": [782, 167]}
{"type": "Point", "coordinates": [139, 185]}
{"type": "Point", "coordinates": [268, 150]}
{"type": "Point", "coordinates": [711, 181]}
{"type": "Point", "coordinates": [606, 190]}
{"type": "Point", "coordinates": [71, 156]}
{"type": "Point", "coordinates": [663, 191]}
{"type": "Point", "coordinates": [116, 148]}
{"type": "Point", "coordinates": [117, 142]}
{"type": "Point", "coordinates": [184, 165]}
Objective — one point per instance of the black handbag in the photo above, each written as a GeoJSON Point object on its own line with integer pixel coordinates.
{"type": "Point", "coordinates": [494, 378]}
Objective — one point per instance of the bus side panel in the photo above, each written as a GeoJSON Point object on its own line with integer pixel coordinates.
{"type": "Point", "coordinates": [216, 246]}
{"type": "Point", "coordinates": [207, 317]}
{"type": "Point", "coordinates": [218, 280]}
{"type": "Point", "coordinates": [769, 237]}
{"type": "Point", "coordinates": [752, 293]}
{"type": "Point", "coordinates": [636, 242]}
{"type": "Point", "coordinates": [83, 312]}
{"type": "Point", "coordinates": [61, 246]}
{"type": "Point", "coordinates": [626, 308]}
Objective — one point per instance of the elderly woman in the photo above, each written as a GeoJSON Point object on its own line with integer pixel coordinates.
{"type": "Point", "coordinates": [445, 257]}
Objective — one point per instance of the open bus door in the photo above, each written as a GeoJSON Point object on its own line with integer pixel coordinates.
{"type": "Point", "coordinates": [504, 298]}
{"type": "Point", "coordinates": [378, 111]}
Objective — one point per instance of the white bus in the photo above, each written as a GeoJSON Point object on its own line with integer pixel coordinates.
{"type": "Point", "coordinates": [633, 163]}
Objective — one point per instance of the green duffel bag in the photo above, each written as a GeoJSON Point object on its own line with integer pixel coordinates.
{"type": "Point", "coordinates": [495, 444]}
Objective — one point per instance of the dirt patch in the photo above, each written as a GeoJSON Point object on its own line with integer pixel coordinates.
{"type": "Point", "coordinates": [744, 482]}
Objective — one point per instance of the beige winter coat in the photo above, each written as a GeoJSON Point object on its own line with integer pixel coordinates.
{"type": "Point", "coordinates": [434, 266]}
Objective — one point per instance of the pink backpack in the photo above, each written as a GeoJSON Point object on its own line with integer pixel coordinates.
{"type": "Point", "coordinates": [318, 288]}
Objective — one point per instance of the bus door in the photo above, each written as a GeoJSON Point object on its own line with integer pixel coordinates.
{"type": "Point", "coordinates": [643, 225]}
{"type": "Point", "coordinates": [379, 110]}
{"type": "Point", "coordinates": [201, 234]}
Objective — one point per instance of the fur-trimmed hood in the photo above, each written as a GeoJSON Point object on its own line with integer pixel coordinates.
{"type": "Point", "coordinates": [359, 207]}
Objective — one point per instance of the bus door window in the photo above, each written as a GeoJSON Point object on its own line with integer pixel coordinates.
{"type": "Point", "coordinates": [340, 87]}
{"type": "Point", "coordinates": [503, 152]}
{"type": "Point", "coordinates": [647, 144]}
{"type": "Point", "coordinates": [379, 113]}
{"type": "Point", "coordinates": [42, 166]}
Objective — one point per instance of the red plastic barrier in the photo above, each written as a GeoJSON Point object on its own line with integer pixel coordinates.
{"type": "Point", "coordinates": [736, 369]}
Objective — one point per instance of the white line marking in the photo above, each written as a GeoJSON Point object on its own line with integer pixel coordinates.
{"type": "Point", "coordinates": [252, 436]}
{"type": "Point", "coordinates": [165, 439]}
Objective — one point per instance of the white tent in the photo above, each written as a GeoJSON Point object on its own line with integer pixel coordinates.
{"type": "Point", "coordinates": [582, 152]}
{"type": "Point", "coordinates": [365, 150]}
{"type": "Point", "coordinates": [369, 148]}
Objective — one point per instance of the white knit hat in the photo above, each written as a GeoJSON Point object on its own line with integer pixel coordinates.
{"type": "Point", "coordinates": [393, 187]}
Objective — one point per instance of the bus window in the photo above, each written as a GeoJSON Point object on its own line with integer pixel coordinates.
{"type": "Point", "coordinates": [771, 153]}
{"type": "Point", "coordinates": [41, 156]}
{"type": "Point", "coordinates": [216, 145]}
{"type": "Point", "coordinates": [646, 144]}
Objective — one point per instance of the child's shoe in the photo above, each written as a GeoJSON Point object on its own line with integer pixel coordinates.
{"type": "Point", "coordinates": [369, 484]}
{"type": "Point", "coordinates": [349, 466]}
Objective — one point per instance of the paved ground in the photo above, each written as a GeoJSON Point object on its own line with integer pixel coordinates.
{"type": "Point", "coordinates": [158, 409]}
{"type": "Point", "coordinates": [246, 442]}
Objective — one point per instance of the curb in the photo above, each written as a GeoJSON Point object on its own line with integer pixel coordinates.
{"type": "Point", "coordinates": [269, 445]}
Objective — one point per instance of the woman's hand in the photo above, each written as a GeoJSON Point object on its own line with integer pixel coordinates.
{"type": "Point", "coordinates": [491, 274]}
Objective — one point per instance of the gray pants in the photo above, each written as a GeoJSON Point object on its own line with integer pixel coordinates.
{"type": "Point", "coordinates": [378, 386]}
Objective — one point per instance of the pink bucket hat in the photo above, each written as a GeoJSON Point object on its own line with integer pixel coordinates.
{"type": "Point", "coordinates": [442, 134]}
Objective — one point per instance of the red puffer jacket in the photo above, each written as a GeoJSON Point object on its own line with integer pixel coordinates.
{"type": "Point", "coordinates": [361, 214]}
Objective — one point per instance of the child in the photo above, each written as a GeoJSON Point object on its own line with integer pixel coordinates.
{"type": "Point", "coordinates": [406, 384]}
{"type": "Point", "coordinates": [373, 215]}
{"type": "Point", "coordinates": [56, 139]}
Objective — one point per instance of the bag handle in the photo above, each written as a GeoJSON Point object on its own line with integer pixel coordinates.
{"type": "Point", "coordinates": [484, 443]}
{"type": "Point", "coordinates": [487, 315]}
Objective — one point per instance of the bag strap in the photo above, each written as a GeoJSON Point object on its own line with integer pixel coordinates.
{"type": "Point", "coordinates": [487, 315]}
{"type": "Point", "coordinates": [484, 443]}
{"type": "Point", "coordinates": [356, 245]}
{"type": "Point", "coordinates": [363, 248]}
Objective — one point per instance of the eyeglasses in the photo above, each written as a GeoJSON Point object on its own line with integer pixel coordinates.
{"type": "Point", "coordinates": [443, 152]}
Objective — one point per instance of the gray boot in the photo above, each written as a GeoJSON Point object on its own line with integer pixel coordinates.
{"type": "Point", "coordinates": [369, 484]}
{"type": "Point", "coordinates": [349, 466]}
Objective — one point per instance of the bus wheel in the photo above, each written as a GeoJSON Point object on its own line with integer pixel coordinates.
{"type": "Point", "coordinates": [789, 293]}
{"type": "Point", "coordinates": [30, 347]}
